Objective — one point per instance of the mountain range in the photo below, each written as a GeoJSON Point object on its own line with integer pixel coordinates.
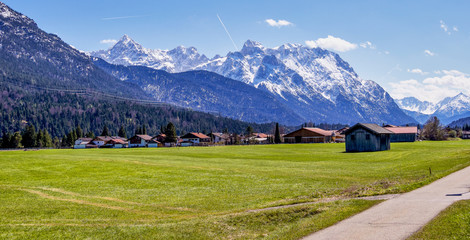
{"type": "Point", "coordinates": [315, 84]}
{"type": "Point", "coordinates": [447, 110]}
{"type": "Point", "coordinates": [205, 91]}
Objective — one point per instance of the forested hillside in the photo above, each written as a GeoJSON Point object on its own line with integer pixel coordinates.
{"type": "Point", "coordinates": [59, 112]}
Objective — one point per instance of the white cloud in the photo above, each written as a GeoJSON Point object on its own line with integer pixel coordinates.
{"type": "Point", "coordinates": [447, 83]}
{"type": "Point", "coordinates": [417, 71]}
{"type": "Point", "coordinates": [447, 29]}
{"type": "Point", "coordinates": [386, 52]}
{"type": "Point", "coordinates": [332, 43]}
{"type": "Point", "coordinates": [279, 23]}
{"type": "Point", "coordinates": [429, 53]}
{"type": "Point", "coordinates": [444, 27]}
{"type": "Point", "coordinates": [367, 44]}
{"type": "Point", "coordinates": [109, 41]}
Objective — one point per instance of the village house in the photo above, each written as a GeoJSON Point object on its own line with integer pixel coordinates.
{"type": "Point", "coordinates": [402, 134]}
{"type": "Point", "coordinates": [259, 138]}
{"type": "Point", "coordinates": [81, 143]}
{"type": "Point", "coordinates": [219, 138]}
{"type": "Point", "coordinates": [339, 136]}
{"type": "Point", "coordinates": [309, 135]}
{"type": "Point", "coordinates": [153, 143]}
{"type": "Point", "coordinates": [115, 143]}
{"type": "Point", "coordinates": [364, 137]}
{"type": "Point", "coordinates": [140, 140]}
{"type": "Point", "coordinates": [160, 137]}
{"type": "Point", "coordinates": [197, 139]}
{"type": "Point", "coordinates": [101, 140]}
{"type": "Point", "coordinates": [465, 134]}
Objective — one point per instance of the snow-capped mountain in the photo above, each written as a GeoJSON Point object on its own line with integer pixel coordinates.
{"type": "Point", "coordinates": [127, 52]}
{"type": "Point", "coordinates": [453, 108]}
{"type": "Point", "coordinates": [447, 110]}
{"type": "Point", "coordinates": [317, 84]}
{"type": "Point", "coordinates": [416, 105]}
{"type": "Point", "coordinates": [206, 91]}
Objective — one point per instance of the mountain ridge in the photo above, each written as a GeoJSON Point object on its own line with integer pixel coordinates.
{"type": "Point", "coordinates": [316, 83]}
{"type": "Point", "coordinates": [205, 91]}
{"type": "Point", "coordinates": [448, 109]}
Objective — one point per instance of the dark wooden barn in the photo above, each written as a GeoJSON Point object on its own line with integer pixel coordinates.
{"type": "Point", "coordinates": [366, 137]}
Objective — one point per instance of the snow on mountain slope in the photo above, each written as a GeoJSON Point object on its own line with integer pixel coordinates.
{"type": "Point", "coordinates": [447, 110]}
{"type": "Point", "coordinates": [316, 83]}
{"type": "Point", "coordinates": [454, 106]}
{"type": "Point", "coordinates": [29, 55]}
{"type": "Point", "coordinates": [416, 105]}
{"type": "Point", "coordinates": [127, 52]}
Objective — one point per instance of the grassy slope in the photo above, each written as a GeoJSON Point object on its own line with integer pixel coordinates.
{"type": "Point", "coordinates": [453, 223]}
{"type": "Point", "coordinates": [203, 192]}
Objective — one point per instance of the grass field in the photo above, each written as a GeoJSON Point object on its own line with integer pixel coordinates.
{"type": "Point", "coordinates": [205, 192]}
{"type": "Point", "coordinates": [453, 223]}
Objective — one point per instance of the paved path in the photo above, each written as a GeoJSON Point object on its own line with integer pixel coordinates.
{"type": "Point", "coordinates": [401, 216]}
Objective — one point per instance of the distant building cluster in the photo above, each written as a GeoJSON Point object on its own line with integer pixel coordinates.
{"type": "Point", "coordinates": [189, 139]}
{"type": "Point", "coordinates": [359, 138]}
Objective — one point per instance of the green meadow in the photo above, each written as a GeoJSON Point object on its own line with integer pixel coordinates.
{"type": "Point", "coordinates": [206, 192]}
{"type": "Point", "coordinates": [452, 223]}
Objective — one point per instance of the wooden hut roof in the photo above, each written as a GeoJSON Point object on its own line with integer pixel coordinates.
{"type": "Point", "coordinates": [371, 127]}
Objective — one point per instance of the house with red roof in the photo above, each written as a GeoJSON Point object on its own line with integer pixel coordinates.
{"type": "Point", "coordinates": [140, 140]}
{"type": "Point", "coordinates": [402, 134]}
{"type": "Point", "coordinates": [115, 143]}
{"type": "Point", "coordinates": [309, 135]}
{"type": "Point", "coordinates": [259, 138]}
{"type": "Point", "coordinates": [197, 139]}
{"type": "Point", "coordinates": [100, 141]}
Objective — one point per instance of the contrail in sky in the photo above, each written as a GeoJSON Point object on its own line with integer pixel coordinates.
{"type": "Point", "coordinates": [223, 25]}
{"type": "Point", "coordinates": [123, 17]}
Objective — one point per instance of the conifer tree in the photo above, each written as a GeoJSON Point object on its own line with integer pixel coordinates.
{"type": "Point", "coordinates": [70, 140]}
{"type": "Point", "coordinates": [122, 132]}
{"type": "Point", "coordinates": [138, 131]}
{"type": "Point", "coordinates": [144, 130]}
{"type": "Point", "coordinates": [74, 136]}
{"type": "Point", "coordinates": [105, 131]}
{"type": "Point", "coordinates": [90, 134]}
{"type": "Point", "coordinates": [249, 131]}
{"type": "Point", "coordinates": [56, 142]}
{"type": "Point", "coordinates": [79, 132]}
{"type": "Point", "coordinates": [39, 139]}
{"type": "Point", "coordinates": [170, 133]}
{"type": "Point", "coordinates": [29, 137]}
{"type": "Point", "coordinates": [64, 141]}
{"type": "Point", "coordinates": [277, 134]}
{"type": "Point", "coordinates": [46, 139]}
{"type": "Point", "coordinates": [16, 140]}
{"type": "Point", "coordinates": [6, 140]}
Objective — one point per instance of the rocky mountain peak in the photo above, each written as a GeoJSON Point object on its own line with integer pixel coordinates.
{"type": "Point", "coordinates": [127, 43]}
{"type": "Point", "coordinates": [252, 47]}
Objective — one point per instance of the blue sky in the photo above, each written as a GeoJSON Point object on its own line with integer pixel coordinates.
{"type": "Point", "coordinates": [411, 48]}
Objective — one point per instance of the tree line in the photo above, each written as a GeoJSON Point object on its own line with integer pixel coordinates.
{"type": "Point", "coordinates": [29, 138]}
{"type": "Point", "coordinates": [59, 112]}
